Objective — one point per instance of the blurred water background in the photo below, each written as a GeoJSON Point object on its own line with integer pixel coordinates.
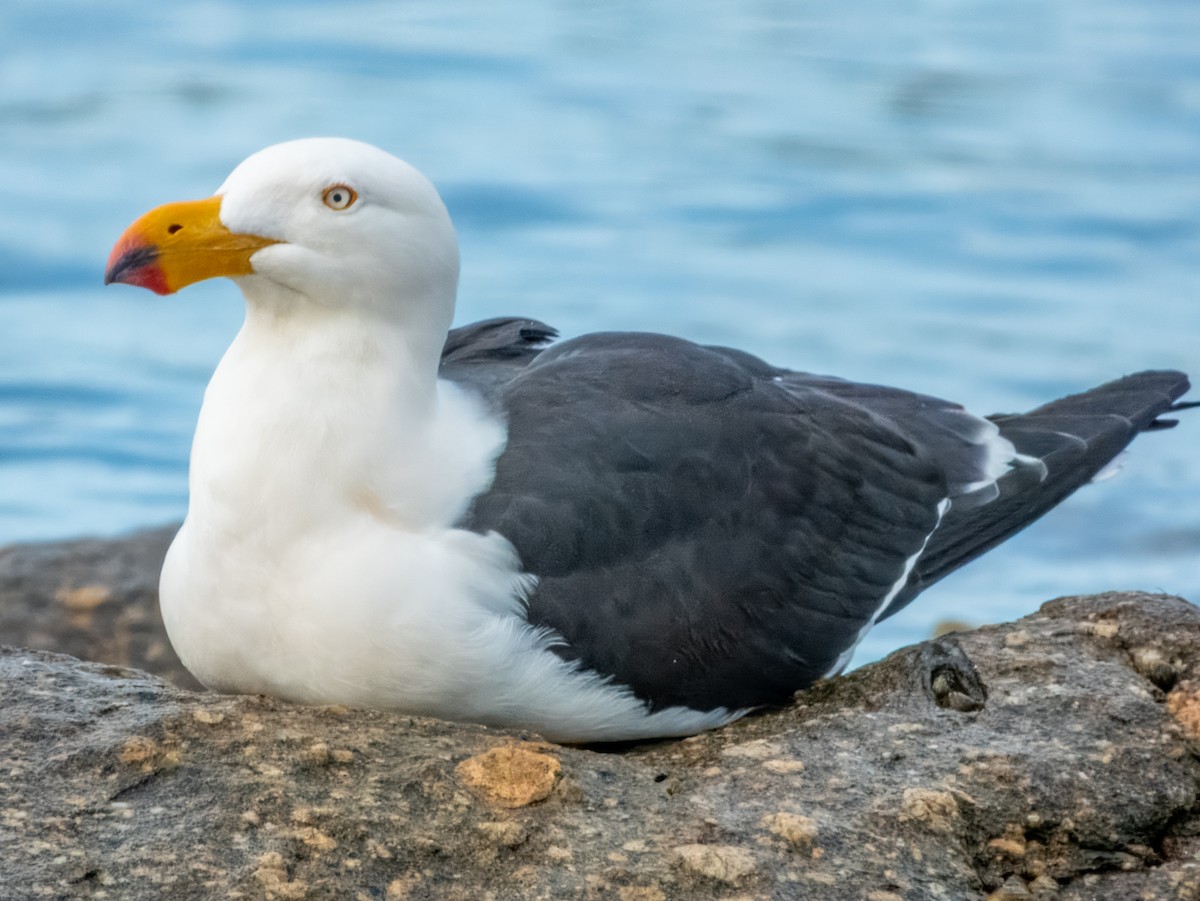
{"type": "Point", "coordinates": [997, 202]}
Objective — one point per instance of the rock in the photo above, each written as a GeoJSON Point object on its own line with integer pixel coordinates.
{"type": "Point", "coordinates": [1055, 758]}
{"type": "Point", "coordinates": [727, 864]}
{"type": "Point", "coordinates": [96, 599]}
{"type": "Point", "coordinates": [798, 830]}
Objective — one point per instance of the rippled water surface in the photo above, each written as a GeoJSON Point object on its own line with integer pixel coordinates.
{"type": "Point", "coordinates": [997, 202]}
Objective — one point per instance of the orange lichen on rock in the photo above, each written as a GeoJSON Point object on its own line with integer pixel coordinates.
{"type": "Point", "coordinates": [1183, 704]}
{"type": "Point", "coordinates": [512, 776]}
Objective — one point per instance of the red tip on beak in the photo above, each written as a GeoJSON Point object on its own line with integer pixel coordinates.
{"type": "Point", "coordinates": [133, 261]}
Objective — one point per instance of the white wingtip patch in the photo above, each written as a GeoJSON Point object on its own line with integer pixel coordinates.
{"type": "Point", "coordinates": [1033, 462]}
{"type": "Point", "coordinates": [1001, 455]}
{"type": "Point", "coordinates": [1002, 458]}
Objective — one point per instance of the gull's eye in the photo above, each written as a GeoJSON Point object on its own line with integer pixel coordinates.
{"type": "Point", "coordinates": [339, 197]}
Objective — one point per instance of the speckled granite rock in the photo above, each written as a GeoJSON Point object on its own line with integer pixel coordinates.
{"type": "Point", "coordinates": [1054, 757]}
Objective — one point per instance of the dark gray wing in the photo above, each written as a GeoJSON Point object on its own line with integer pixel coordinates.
{"type": "Point", "coordinates": [708, 529]}
{"type": "Point", "coordinates": [714, 531]}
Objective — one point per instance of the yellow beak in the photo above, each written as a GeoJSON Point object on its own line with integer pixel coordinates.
{"type": "Point", "coordinates": [177, 244]}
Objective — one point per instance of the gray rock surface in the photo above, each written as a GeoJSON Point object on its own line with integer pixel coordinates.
{"type": "Point", "coordinates": [96, 599]}
{"type": "Point", "coordinates": [1051, 758]}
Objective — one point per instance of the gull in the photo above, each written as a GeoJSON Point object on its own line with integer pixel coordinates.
{"type": "Point", "coordinates": [618, 536]}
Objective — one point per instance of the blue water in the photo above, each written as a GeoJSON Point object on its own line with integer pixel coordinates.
{"type": "Point", "coordinates": [997, 202]}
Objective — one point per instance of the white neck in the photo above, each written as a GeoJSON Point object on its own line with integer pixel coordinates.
{"type": "Point", "coordinates": [406, 336]}
{"type": "Point", "coordinates": [308, 390]}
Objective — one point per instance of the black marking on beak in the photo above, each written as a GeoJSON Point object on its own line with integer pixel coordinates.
{"type": "Point", "coordinates": [130, 261]}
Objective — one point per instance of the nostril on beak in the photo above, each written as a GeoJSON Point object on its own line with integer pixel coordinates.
{"type": "Point", "coordinates": [174, 227]}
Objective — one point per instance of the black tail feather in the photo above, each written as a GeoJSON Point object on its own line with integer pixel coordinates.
{"type": "Point", "coordinates": [1075, 437]}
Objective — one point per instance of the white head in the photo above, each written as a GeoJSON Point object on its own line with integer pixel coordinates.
{"type": "Point", "coordinates": [329, 223]}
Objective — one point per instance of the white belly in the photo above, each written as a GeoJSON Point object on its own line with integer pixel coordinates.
{"type": "Point", "coordinates": [429, 624]}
